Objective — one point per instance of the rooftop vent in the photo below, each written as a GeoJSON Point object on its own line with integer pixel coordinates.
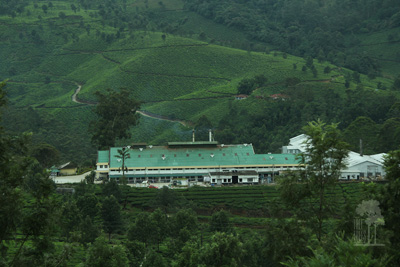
{"type": "Point", "coordinates": [245, 144]}
{"type": "Point", "coordinates": [129, 147]}
{"type": "Point", "coordinates": [163, 157]}
{"type": "Point", "coordinates": [271, 157]}
{"type": "Point", "coordinates": [222, 145]}
{"type": "Point", "coordinates": [118, 160]}
{"type": "Point", "coordinates": [212, 155]}
{"type": "Point", "coordinates": [150, 146]}
{"type": "Point", "coordinates": [141, 148]}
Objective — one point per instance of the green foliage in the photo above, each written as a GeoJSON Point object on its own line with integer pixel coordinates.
{"type": "Point", "coordinates": [286, 238]}
{"type": "Point", "coordinates": [390, 202]}
{"type": "Point", "coordinates": [142, 229]}
{"type": "Point", "coordinates": [220, 222]}
{"type": "Point", "coordinates": [363, 128]}
{"type": "Point", "coordinates": [166, 199]}
{"type": "Point", "coordinates": [102, 254]}
{"type": "Point", "coordinates": [111, 215]}
{"type": "Point", "coordinates": [224, 250]}
{"type": "Point", "coordinates": [344, 253]}
{"type": "Point", "coordinates": [323, 158]}
{"type": "Point", "coordinates": [116, 113]}
{"type": "Point", "coordinates": [46, 154]}
{"type": "Point", "coordinates": [112, 189]}
{"type": "Point", "coordinates": [246, 86]}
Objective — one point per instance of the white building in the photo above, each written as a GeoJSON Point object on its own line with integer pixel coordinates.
{"type": "Point", "coordinates": [358, 166]}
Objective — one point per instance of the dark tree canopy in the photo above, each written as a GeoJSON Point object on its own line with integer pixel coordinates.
{"type": "Point", "coordinates": [116, 112]}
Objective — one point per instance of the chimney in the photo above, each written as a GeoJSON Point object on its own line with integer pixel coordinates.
{"type": "Point", "coordinates": [361, 148]}
{"type": "Point", "coordinates": [193, 136]}
{"type": "Point", "coordinates": [210, 135]}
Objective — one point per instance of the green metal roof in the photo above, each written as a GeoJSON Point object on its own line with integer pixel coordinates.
{"type": "Point", "coordinates": [103, 156]}
{"type": "Point", "coordinates": [169, 157]}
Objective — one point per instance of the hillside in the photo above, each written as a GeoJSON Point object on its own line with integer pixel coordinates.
{"type": "Point", "coordinates": [179, 65]}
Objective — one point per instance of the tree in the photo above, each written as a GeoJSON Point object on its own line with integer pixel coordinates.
{"type": "Point", "coordinates": [100, 254]}
{"type": "Point", "coordinates": [71, 218]}
{"type": "Point", "coordinates": [153, 259]}
{"type": "Point", "coordinates": [390, 203]}
{"type": "Point", "coordinates": [396, 83]}
{"type": "Point", "coordinates": [363, 128]}
{"type": "Point", "coordinates": [116, 112]}
{"type": "Point", "coordinates": [88, 205]}
{"type": "Point", "coordinates": [89, 231]}
{"type": "Point", "coordinates": [90, 177]}
{"type": "Point", "coordinates": [160, 225]}
{"type": "Point", "coordinates": [123, 154]}
{"type": "Point", "coordinates": [73, 8]}
{"type": "Point", "coordinates": [25, 204]}
{"type": "Point", "coordinates": [323, 158]}
{"type": "Point", "coordinates": [224, 250]}
{"type": "Point", "coordinates": [62, 15]}
{"type": "Point", "coordinates": [220, 222]}
{"type": "Point", "coordinates": [112, 189]}
{"type": "Point", "coordinates": [327, 69]}
{"type": "Point", "coordinates": [165, 199]}
{"type": "Point", "coordinates": [111, 215]}
{"type": "Point", "coordinates": [44, 8]}
{"type": "Point", "coordinates": [142, 229]}
{"type": "Point", "coordinates": [343, 253]}
{"type": "Point", "coordinates": [46, 154]}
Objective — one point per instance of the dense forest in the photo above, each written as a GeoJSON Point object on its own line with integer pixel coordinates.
{"type": "Point", "coordinates": [186, 60]}
{"type": "Point", "coordinates": [298, 222]}
{"type": "Point", "coordinates": [324, 30]}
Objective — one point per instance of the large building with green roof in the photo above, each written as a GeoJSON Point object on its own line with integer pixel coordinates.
{"type": "Point", "coordinates": [195, 161]}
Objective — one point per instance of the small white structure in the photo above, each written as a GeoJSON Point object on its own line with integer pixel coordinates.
{"type": "Point", "coordinates": [357, 166]}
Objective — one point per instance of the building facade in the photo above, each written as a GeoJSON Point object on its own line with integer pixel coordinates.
{"type": "Point", "coordinates": [195, 161]}
{"type": "Point", "coordinates": [358, 166]}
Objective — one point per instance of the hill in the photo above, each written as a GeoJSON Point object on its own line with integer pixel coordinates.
{"type": "Point", "coordinates": [179, 65]}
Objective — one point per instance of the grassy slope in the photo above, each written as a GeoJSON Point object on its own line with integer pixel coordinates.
{"type": "Point", "coordinates": [178, 77]}
{"type": "Point", "coordinates": [386, 53]}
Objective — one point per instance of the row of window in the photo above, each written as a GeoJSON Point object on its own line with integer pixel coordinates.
{"type": "Point", "coordinates": [249, 180]}
{"type": "Point", "coordinates": [179, 169]}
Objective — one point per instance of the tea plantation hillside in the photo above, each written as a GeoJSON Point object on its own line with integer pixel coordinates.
{"type": "Point", "coordinates": [176, 62]}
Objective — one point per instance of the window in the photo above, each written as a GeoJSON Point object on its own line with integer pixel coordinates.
{"type": "Point", "coordinates": [229, 180]}
{"type": "Point", "coordinates": [240, 180]}
{"type": "Point", "coordinates": [101, 166]}
{"type": "Point", "coordinates": [250, 180]}
{"type": "Point", "coordinates": [224, 180]}
{"type": "Point", "coordinates": [213, 180]}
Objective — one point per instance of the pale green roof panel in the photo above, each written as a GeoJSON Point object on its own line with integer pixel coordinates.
{"type": "Point", "coordinates": [103, 156]}
{"type": "Point", "coordinates": [163, 156]}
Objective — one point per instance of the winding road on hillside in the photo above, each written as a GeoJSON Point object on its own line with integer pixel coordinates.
{"type": "Point", "coordinates": [75, 99]}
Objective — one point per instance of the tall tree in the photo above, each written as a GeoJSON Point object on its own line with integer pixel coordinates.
{"type": "Point", "coordinates": [101, 254]}
{"type": "Point", "coordinates": [390, 203]}
{"type": "Point", "coordinates": [25, 204]}
{"type": "Point", "coordinates": [111, 215]}
{"type": "Point", "coordinates": [323, 158]}
{"type": "Point", "coordinates": [116, 113]}
{"type": "Point", "coordinates": [123, 154]}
